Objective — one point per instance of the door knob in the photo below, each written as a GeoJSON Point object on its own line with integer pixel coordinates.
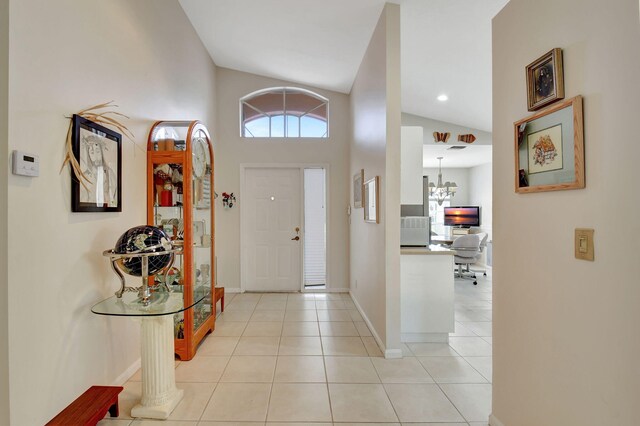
{"type": "Point", "coordinates": [296, 238]}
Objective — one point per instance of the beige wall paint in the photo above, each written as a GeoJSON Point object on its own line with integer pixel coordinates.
{"type": "Point", "coordinates": [375, 147]}
{"type": "Point", "coordinates": [66, 56]}
{"type": "Point", "coordinates": [4, 165]}
{"type": "Point", "coordinates": [232, 151]}
{"type": "Point", "coordinates": [392, 186]}
{"type": "Point", "coordinates": [565, 346]}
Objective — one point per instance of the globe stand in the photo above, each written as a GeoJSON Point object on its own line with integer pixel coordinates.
{"type": "Point", "coordinates": [144, 291]}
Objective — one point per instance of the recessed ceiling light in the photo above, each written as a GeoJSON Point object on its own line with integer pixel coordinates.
{"type": "Point", "coordinates": [443, 98]}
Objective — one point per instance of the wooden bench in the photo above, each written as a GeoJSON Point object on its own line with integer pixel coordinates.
{"type": "Point", "coordinates": [90, 407]}
{"type": "Point", "coordinates": [219, 295]}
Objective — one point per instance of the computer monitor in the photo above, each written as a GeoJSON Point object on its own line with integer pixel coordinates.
{"type": "Point", "coordinates": [462, 216]}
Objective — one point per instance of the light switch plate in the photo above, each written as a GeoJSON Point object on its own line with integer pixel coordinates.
{"type": "Point", "coordinates": [584, 244]}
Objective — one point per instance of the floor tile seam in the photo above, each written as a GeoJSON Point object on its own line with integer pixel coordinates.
{"type": "Point", "coordinates": [393, 407]}
{"type": "Point", "coordinates": [457, 383]}
{"type": "Point", "coordinates": [489, 380]}
{"type": "Point", "coordinates": [266, 415]}
{"type": "Point", "coordinates": [452, 403]}
{"type": "Point", "coordinates": [326, 377]}
{"type": "Point", "coordinates": [208, 401]}
{"type": "Point", "coordinates": [425, 369]}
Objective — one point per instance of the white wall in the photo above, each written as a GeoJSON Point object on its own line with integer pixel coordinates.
{"type": "Point", "coordinates": [65, 56]}
{"type": "Point", "coordinates": [4, 163]}
{"type": "Point", "coordinates": [458, 175]}
{"type": "Point", "coordinates": [411, 182]}
{"type": "Point", "coordinates": [565, 344]}
{"type": "Point", "coordinates": [375, 147]}
{"type": "Point", "coordinates": [430, 125]}
{"type": "Point", "coordinates": [480, 194]}
{"type": "Point", "coordinates": [232, 150]}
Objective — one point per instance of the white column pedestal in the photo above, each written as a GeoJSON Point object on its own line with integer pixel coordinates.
{"type": "Point", "coordinates": [159, 393]}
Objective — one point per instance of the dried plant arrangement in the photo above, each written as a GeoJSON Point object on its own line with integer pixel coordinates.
{"type": "Point", "coordinates": [101, 114]}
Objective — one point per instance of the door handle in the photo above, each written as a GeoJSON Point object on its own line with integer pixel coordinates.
{"type": "Point", "coordinates": [296, 238]}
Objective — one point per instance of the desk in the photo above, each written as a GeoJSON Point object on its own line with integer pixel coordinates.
{"type": "Point", "coordinates": [159, 393]}
{"type": "Point", "coordinates": [441, 240]}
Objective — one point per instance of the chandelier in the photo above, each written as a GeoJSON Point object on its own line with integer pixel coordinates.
{"type": "Point", "coordinates": [440, 192]}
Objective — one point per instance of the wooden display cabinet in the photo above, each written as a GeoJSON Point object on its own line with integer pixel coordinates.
{"type": "Point", "coordinates": [180, 199]}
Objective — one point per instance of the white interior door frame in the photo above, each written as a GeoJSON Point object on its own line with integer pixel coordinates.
{"type": "Point", "coordinates": [243, 225]}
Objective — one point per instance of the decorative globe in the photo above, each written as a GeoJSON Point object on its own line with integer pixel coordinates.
{"type": "Point", "coordinates": [139, 240]}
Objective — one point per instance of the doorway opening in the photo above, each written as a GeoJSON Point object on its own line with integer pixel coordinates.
{"type": "Point", "coordinates": [315, 229]}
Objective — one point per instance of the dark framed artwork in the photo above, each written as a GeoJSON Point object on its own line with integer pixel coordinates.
{"type": "Point", "coordinates": [545, 80]}
{"type": "Point", "coordinates": [549, 149]}
{"type": "Point", "coordinates": [358, 186]}
{"type": "Point", "coordinates": [99, 153]}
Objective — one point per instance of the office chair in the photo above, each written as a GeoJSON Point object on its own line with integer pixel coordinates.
{"type": "Point", "coordinates": [466, 251]}
{"type": "Point", "coordinates": [484, 237]}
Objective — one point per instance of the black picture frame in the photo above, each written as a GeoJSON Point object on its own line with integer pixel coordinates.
{"type": "Point", "coordinates": [89, 138]}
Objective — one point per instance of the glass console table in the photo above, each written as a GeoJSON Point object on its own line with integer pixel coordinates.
{"type": "Point", "coordinates": [159, 393]}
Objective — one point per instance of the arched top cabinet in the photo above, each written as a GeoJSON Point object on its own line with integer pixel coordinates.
{"type": "Point", "coordinates": [180, 199]}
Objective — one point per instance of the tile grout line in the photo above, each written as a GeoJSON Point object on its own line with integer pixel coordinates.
{"type": "Point", "coordinates": [208, 401]}
{"type": "Point", "coordinates": [395, 412]}
{"type": "Point", "coordinates": [326, 376]}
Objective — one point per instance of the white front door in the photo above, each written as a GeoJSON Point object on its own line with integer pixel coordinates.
{"type": "Point", "coordinates": [271, 213]}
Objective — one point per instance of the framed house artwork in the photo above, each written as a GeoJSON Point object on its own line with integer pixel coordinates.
{"type": "Point", "coordinates": [99, 153]}
{"type": "Point", "coordinates": [549, 149]}
{"type": "Point", "coordinates": [545, 80]}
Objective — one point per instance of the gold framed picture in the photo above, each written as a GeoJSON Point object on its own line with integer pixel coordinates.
{"type": "Point", "coordinates": [549, 149]}
{"type": "Point", "coordinates": [372, 200]}
{"type": "Point", "coordinates": [545, 80]}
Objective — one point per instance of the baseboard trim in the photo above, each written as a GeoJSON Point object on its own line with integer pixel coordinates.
{"type": "Point", "coordinates": [128, 373]}
{"type": "Point", "coordinates": [311, 290]}
{"type": "Point", "coordinates": [326, 290]}
{"type": "Point", "coordinates": [388, 353]}
{"type": "Point", "coordinates": [393, 353]}
{"type": "Point", "coordinates": [493, 421]}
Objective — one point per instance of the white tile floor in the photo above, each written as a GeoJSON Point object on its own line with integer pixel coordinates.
{"type": "Point", "coordinates": [310, 359]}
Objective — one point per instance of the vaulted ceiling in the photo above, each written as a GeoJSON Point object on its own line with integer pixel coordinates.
{"type": "Point", "coordinates": [446, 47]}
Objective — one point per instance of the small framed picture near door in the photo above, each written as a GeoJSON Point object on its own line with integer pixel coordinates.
{"type": "Point", "coordinates": [99, 152]}
{"type": "Point", "coordinates": [372, 200]}
{"type": "Point", "coordinates": [549, 149]}
{"type": "Point", "coordinates": [358, 185]}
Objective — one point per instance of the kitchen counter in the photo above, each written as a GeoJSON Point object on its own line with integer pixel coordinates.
{"type": "Point", "coordinates": [431, 250]}
{"type": "Point", "coordinates": [426, 294]}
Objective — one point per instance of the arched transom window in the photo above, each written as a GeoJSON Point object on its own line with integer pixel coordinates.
{"type": "Point", "coordinates": [284, 112]}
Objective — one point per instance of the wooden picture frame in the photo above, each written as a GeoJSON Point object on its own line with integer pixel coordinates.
{"type": "Point", "coordinates": [99, 153]}
{"type": "Point", "coordinates": [545, 80]}
{"type": "Point", "coordinates": [372, 200]}
{"type": "Point", "coordinates": [358, 189]}
{"type": "Point", "coordinates": [549, 149]}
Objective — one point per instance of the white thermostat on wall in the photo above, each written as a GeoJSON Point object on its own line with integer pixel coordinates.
{"type": "Point", "coordinates": [25, 164]}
